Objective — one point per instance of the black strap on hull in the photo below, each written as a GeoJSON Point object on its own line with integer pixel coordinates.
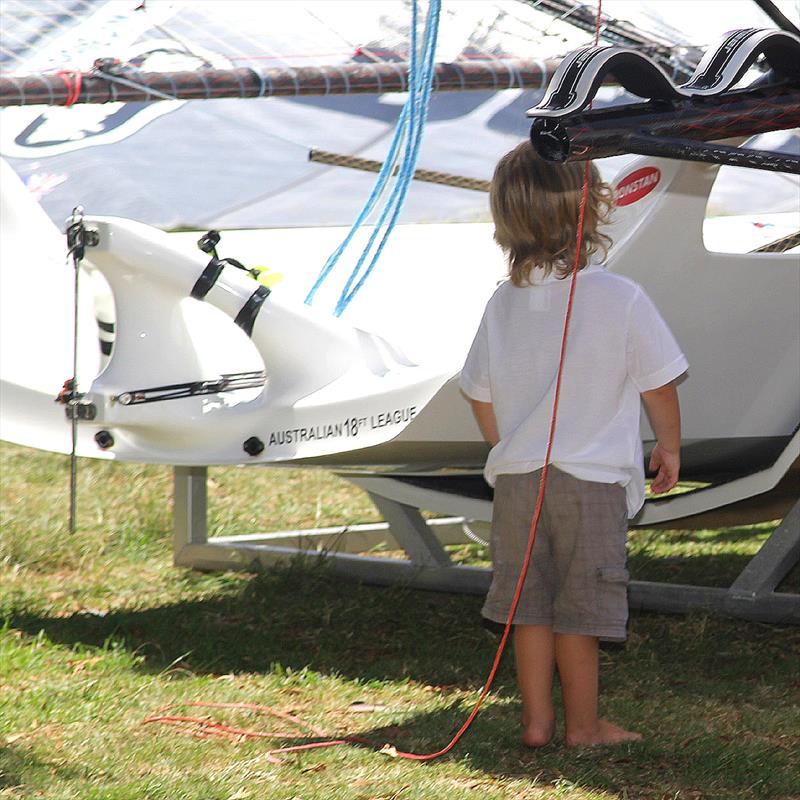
{"type": "Point", "coordinates": [246, 317]}
{"type": "Point", "coordinates": [208, 277]}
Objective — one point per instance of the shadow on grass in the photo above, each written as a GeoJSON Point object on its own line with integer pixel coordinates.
{"type": "Point", "coordinates": [16, 762]}
{"type": "Point", "coordinates": [300, 616]}
{"type": "Point", "coordinates": [682, 681]}
{"type": "Point", "coordinates": [12, 764]}
{"type": "Point", "coordinates": [701, 570]}
{"type": "Point", "coordinates": [294, 617]}
{"type": "Point", "coordinates": [707, 766]}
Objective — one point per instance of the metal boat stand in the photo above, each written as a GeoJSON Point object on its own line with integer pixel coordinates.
{"type": "Point", "coordinates": [751, 596]}
{"type": "Point", "coordinates": [428, 566]}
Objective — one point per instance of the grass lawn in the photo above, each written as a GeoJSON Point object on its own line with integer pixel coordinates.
{"type": "Point", "coordinates": [98, 631]}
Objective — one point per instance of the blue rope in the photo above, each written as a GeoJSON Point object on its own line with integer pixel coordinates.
{"type": "Point", "coordinates": [386, 169]}
{"type": "Point", "coordinates": [411, 123]}
{"type": "Point", "coordinates": [396, 202]}
{"type": "Point", "coordinates": [377, 190]}
{"type": "Point", "coordinates": [412, 106]}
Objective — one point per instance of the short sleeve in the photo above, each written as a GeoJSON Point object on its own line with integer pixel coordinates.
{"type": "Point", "coordinates": [653, 356]}
{"type": "Point", "coordinates": [474, 379]}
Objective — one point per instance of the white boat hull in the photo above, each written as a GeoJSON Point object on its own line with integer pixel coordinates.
{"type": "Point", "coordinates": [375, 390]}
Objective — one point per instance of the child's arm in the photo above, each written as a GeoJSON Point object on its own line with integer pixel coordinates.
{"type": "Point", "coordinates": [484, 414]}
{"type": "Point", "coordinates": [665, 417]}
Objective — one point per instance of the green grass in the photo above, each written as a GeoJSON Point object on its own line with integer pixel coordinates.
{"type": "Point", "coordinates": [99, 631]}
{"type": "Point", "coordinates": [702, 557]}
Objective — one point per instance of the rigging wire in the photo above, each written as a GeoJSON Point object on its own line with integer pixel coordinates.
{"type": "Point", "coordinates": [73, 455]}
{"type": "Point", "coordinates": [70, 396]}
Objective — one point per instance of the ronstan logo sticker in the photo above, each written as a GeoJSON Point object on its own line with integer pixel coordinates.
{"type": "Point", "coordinates": [635, 186]}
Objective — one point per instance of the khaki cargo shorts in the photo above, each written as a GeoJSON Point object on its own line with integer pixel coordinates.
{"type": "Point", "coordinates": [577, 581]}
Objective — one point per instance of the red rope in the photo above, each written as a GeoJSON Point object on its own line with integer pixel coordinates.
{"type": "Point", "coordinates": [271, 755]}
{"type": "Point", "coordinates": [73, 86]}
{"type": "Point", "coordinates": [539, 502]}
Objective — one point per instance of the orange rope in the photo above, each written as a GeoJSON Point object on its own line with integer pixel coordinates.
{"type": "Point", "coordinates": [73, 86]}
{"type": "Point", "coordinates": [271, 755]}
{"type": "Point", "coordinates": [202, 727]}
{"type": "Point", "coordinates": [539, 502]}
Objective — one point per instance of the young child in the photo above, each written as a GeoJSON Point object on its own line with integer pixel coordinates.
{"type": "Point", "coordinates": [618, 350]}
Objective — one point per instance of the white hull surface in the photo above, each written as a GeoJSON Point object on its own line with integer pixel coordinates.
{"type": "Point", "coordinates": [375, 390]}
{"type": "Point", "coordinates": [333, 385]}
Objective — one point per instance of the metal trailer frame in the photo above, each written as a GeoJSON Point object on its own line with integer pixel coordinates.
{"type": "Point", "coordinates": [428, 566]}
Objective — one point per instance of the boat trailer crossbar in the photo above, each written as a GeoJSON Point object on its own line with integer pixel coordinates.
{"type": "Point", "coordinates": [346, 551]}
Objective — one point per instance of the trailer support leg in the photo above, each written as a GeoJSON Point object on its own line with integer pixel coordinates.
{"type": "Point", "coordinates": [428, 566]}
{"type": "Point", "coordinates": [190, 514]}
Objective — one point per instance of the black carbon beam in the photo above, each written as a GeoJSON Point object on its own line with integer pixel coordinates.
{"type": "Point", "coordinates": [679, 129]}
{"type": "Point", "coordinates": [712, 153]}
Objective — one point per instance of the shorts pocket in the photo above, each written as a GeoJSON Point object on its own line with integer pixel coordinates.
{"type": "Point", "coordinates": [612, 593]}
{"type": "Point", "coordinates": [613, 575]}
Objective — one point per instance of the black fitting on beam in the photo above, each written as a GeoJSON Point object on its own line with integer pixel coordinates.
{"type": "Point", "coordinates": [208, 242]}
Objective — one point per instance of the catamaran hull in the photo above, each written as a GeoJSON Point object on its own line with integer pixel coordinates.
{"type": "Point", "coordinates": [177, 368]}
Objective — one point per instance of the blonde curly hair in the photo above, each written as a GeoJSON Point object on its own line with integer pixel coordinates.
{"type": "Point", "coordinates": [536, 206]}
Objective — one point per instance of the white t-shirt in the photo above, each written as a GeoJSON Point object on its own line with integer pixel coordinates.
{"type": "Point", "coordinates": [617, 347]}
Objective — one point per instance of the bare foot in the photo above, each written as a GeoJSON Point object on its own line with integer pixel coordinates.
{"type": "Point", "coordinates": [605, 732]}
{"type": "Point", "coordinates": [538, 735]}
